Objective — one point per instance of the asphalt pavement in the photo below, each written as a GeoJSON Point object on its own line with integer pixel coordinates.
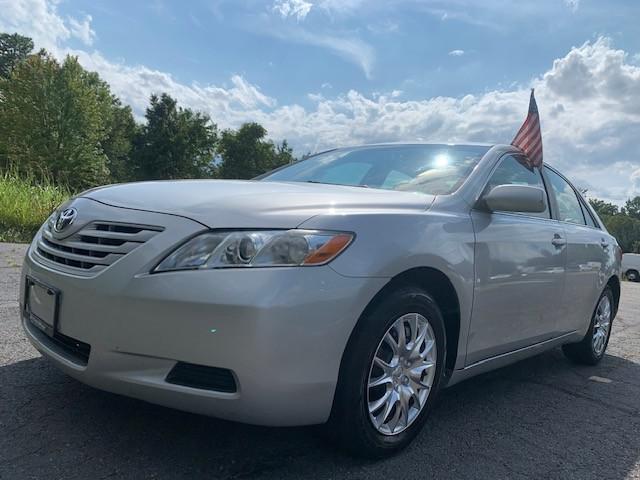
{"type": "Point", "coordinates": [541, 418]}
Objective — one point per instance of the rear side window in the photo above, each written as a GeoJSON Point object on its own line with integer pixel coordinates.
{"type": "Point", "coordinates": [569, 208]}
{"type": "Point", "coordinates": [587, 216]}
{"type": "Point", "coordinates": [513, 170]}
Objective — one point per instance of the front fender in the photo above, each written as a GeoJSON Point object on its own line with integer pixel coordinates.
{"type": "Point", "coordinates": [388, 244]}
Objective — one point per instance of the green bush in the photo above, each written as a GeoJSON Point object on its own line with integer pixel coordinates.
{"type": "Point", "coordinates": [25, 205]}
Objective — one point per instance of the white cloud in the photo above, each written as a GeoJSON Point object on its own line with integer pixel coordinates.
{"type": "Point", "coordinates": [589, 101]}
{"type": "Point", "coordinates": [36, 18]}
{"type": "Point", "coordinates": [351, 49]}
{"type": "Point", "coordinates": [231, 105]}
{"type": "Point", "coordinates": [292, 8]}
{"type": "Point", "coordinates": [82, 29]}
{"type": "Point", "coordinates": [572, 4]}
{"type": "Point", "coordinates": [342, 7]}
{"type": "Point", "coordinates": [456, 53]}
{"type": "Point", "coordinates": [383, 28]}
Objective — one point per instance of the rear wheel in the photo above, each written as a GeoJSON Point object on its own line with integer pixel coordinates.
{"type": "Point", "coordinates": [592, 347]}
{"type": "Point", "coordinates": [390, 374]}
{"type": "Point", "coordinates": [633, 276]}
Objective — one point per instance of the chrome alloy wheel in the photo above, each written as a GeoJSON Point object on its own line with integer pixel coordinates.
{"type": "Point", "coordinates": [601, 325]}
{"type": "Point", "coordinates": [401, 374]}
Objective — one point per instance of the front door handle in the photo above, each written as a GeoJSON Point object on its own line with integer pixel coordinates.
{"type": "Point", "coordinates": [558, 241]}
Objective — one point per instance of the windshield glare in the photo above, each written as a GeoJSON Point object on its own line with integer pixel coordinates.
{"type": "Point", "coordinates": [431, 169]}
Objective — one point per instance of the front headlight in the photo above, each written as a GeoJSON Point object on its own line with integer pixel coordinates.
{"type": "Point", "coordinates": [260, 248]}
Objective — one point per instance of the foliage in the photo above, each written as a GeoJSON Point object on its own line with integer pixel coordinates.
{"type": "Point", "coordinates": [626, 229]}
{"type": "Point", "coordinates": [246, 154]}
{"type": "Point", "coordinates": [25, 204]}
{"type": "Point", "coordinates": [602, 208]}
{"type": "Point", "coordinates": [61, 122]}
{"type": "Point", "coordinates": [61, 125]}
{"type": "Point", "coordinates": [632, 207]}
{"type": "Point", "coordinates": [622, 223]}
{"type": "Point", "coordinates": [118, 144]}
{"type": "Point", "coordinates": [175, 142]}
{"type": "Point", "coordinates": [13, 50]}
{"type": "Point", "coordinates": [53, 120]}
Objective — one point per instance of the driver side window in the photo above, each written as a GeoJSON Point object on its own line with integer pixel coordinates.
{"type": "Point", "coordinates": [513, 170]}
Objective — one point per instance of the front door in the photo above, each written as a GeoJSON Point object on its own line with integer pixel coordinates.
{"type": "Point", "coordinates": [520, 271]}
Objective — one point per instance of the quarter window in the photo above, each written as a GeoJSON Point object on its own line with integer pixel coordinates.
{"type": "Point", "coordinates": [587, 216]}
{"type": "Point", "coordinates": [569, 208]}
{"type": "Point", "coordinates": [513, 170]}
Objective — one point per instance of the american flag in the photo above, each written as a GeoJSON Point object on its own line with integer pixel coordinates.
{"type": "Point", "coordinates": [529, 138]}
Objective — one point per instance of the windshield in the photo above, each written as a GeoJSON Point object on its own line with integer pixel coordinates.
{"type": "Point", "coordinates": [432, 169]}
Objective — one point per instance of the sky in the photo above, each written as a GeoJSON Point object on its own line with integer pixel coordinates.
{"type": "Point", "coordinates": [327, 73]}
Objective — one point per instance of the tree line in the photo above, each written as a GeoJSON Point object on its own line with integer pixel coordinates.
{"type": "Point", "coordinates": [622, 222]}
{"type": "Point", "coordinates": [62, 123]}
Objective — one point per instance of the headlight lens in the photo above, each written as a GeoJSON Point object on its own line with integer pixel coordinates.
{"type": "Point", "coordinates": [261, 248]}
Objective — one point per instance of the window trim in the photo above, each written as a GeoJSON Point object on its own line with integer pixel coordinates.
{"type": "Point", "coordinates": [596, 221]}
{"type": "Point", "coordinates": [517, 214]}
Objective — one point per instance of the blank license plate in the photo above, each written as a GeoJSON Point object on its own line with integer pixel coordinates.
{"type": "Point", "coordinates": [41, 305]}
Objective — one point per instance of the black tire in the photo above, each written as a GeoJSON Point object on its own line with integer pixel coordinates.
{"type": "Point", "coordinates": [632, 275]}
{"type": "Point", "coordinates": [350, 424]}
{"type": "Point", "coordinates": [583, 352]}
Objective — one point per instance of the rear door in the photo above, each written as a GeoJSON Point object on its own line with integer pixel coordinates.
{"type": "Point", "coordinates": [520, 263]}
{"type": "Point", "coordinates": [588, 250]}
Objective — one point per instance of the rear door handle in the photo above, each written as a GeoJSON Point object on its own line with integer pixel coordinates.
{"type": "Point", "coordinates": [558, 241]}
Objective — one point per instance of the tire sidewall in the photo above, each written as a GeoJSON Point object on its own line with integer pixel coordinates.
{"type": "Point", "coordinates": [366, 339]}
{"type": "Point", "coordinates": [606, 293]}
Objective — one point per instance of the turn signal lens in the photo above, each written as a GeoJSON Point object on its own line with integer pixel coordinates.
{"type": "Point", "coordinates": [329, 250]}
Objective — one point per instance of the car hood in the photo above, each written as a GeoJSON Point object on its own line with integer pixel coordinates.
{"type": "Point", "coordinates": [253, 204]}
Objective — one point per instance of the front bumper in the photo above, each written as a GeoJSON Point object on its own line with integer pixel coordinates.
{"type": "Point", "coordinates": [281, 331]}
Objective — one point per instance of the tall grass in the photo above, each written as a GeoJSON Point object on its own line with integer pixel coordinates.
{"type": "Point", "coordinates": [25, 204]}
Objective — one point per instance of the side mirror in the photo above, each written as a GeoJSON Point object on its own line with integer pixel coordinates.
{"type": "Point", "coordinates": [515, 198]}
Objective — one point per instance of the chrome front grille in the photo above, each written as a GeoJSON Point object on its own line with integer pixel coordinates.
{"type": "Point", "coordinates": [95, 246]}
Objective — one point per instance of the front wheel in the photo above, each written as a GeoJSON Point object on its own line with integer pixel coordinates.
{"type": "Point", "coordinates": [632, 276]}
{"type": "Point", "coordinates": [592, 347]}
{"type": "Point", "coordinates": [390, 374]}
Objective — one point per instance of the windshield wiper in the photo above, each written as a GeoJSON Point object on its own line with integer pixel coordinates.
{"type": "Point", "coordinates": [339, 184]}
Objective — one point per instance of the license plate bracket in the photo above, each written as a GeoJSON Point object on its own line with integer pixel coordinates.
{"type": "Point", "coordinates": [41, 305]}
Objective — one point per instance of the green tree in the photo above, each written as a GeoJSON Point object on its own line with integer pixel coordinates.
{"type": "Point", "coordinates": [118, 145]}
{"type": "Point", "coordinates": [53, 120]}
{"type": "Point", "coordinates": [13, 50]}
{"type": "Point", "coordinates": [603, 208]}
{"type": "Point", "coordinates": [632, 207]}
{"type": "Point", "coordinates": [626, 229]}
{"type": "Point", "coordinates": [246, 154]}
{"type": "Point", "coordinates": [175, 142]}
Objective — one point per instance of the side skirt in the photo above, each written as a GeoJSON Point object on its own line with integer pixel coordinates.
{"type": "Point", "coordinates": [505, 359]}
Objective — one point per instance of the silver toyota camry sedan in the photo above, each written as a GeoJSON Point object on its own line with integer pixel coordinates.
{"type": "Point", "coordinates": [346, 289]}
